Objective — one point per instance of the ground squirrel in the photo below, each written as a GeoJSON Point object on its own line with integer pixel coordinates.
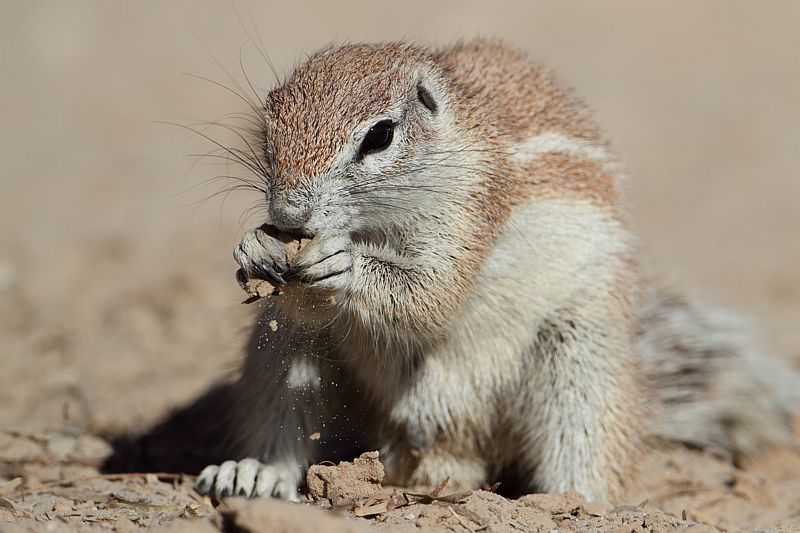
{"type": "Point", "coordinates": [468, 301]}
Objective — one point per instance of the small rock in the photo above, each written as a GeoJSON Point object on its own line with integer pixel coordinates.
{"type": "Point", "coordinates": [267, 514]}
{"type": "Point", "coordinates": [61, 446]}
{"type": "Point", "coordinates": [565, 503]}
{"type": "Point", "coordinates": [346, 481]}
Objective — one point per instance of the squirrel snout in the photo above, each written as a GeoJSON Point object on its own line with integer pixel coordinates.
{"type": "Point", "coordinates": [290, 220]}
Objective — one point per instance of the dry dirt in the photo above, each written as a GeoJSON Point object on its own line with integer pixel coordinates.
{"type": "Point", "coordinates": [54, 483]}
{"type": "Point", "coordinates": [121, 322]}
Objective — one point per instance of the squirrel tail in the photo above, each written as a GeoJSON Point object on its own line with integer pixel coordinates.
{"type": "Point", "coordinates": [710, 384]}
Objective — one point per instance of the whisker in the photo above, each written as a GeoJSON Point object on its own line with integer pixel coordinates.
{"type": "Point", "coordinates": [244, 73]}
{"type": "Point", "coordinates": [243, 182]}
{"type": "Point", "coordinates": [238, 95]}
{"type": "Point", "coordinates": [262, 50]}
{"type": "Point", "coordinates": [255, 159]}
{"type": "Point", "coordinates": [239, 156]}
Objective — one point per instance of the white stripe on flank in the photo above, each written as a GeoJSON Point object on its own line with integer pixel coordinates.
{"type": "Point", "coordinates": [554, 142]}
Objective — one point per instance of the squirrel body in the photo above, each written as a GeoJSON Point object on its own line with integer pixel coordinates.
{"type": "Point", "coordinates": [469, 301]}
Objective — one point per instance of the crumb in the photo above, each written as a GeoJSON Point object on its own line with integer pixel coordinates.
{"type": "Point", "coordinates": [273, 325]}
{"type": "Point", "coordinates": [293, 249]}
{"type": "Point", "coordinates": [257, 288]}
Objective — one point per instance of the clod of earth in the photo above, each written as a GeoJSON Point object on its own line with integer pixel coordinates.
{"type": "Point", "coordinates": [346, 482]}
{"type": "Point", "coordinates": [257, 288]}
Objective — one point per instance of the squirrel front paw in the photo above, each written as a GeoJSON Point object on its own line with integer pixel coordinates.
{"type": "Point", "coordinates": [250, 478]}
{"type": "Point", "coordinates": [326, 262]}
{"type": "Point", "coordinates": [261, 256]}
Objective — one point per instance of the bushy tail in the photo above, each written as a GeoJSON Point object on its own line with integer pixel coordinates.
{"type": "Point", "coordinates": [712, 388]}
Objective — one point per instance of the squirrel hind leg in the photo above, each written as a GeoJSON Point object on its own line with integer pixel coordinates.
{"type": "Point", "coordinates": [710, 384]}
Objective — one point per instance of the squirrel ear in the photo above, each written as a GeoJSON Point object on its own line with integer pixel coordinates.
{"type": "Point", "coordinates": [426, 98]}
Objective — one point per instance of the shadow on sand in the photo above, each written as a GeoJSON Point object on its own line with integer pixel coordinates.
{"type": "Point", "coordinates": [187, 440]}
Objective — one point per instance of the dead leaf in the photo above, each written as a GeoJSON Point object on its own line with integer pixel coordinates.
{"type": "Point", "coordinates": [8, 487]}
{"type": "Point", "coordinates": [440, 487]}
{"type": "Point", "coordinates": [372, 510]}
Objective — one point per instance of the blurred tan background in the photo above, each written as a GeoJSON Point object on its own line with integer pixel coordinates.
{"type": "Point", "coordinates": [117, 299]}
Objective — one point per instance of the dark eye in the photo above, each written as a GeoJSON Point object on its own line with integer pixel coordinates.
{"type": "Point", "coordinates": [378, 138]}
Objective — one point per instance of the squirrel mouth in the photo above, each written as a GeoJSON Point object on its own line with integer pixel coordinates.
{"type": "Point", "coordinates": [286, 235]}
{"type": "Point", "coordinates": [260, 281]}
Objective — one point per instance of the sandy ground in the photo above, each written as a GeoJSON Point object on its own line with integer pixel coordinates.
{"type": "Point", "coordinates": [118, 309]}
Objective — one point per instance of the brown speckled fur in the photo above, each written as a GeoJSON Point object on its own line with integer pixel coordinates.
{"type": "Point", "coordinates": [300, 112]}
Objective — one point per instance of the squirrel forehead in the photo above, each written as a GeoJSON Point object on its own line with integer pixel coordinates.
{"type": "Point", "coordinates": [313, 114]}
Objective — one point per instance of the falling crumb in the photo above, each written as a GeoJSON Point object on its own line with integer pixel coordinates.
{"type": "Point", "coordinates": [256, 288]}
{"type": "Point", "coordinates": [273, 325]}
{"type": "Point", "coordinates": [314, 436]}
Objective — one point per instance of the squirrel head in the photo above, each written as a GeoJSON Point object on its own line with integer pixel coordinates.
{"type": "Point", "coordinates": [353, 136]}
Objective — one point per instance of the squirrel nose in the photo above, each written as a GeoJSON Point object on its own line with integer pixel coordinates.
{"type": "Point", "coordinates": [289, 218]}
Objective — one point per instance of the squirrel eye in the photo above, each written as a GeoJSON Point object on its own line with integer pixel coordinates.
{"type": "Point", "coordinates": [378, 138]}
